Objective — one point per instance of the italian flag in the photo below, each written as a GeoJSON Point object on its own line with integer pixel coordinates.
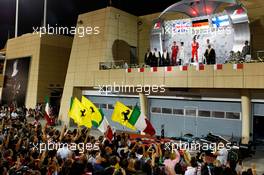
{"type": "Point", "coordinates": [104, 127]}
{"type": "Point", "coordinates": [139, 121]}
{"type": "Point", "coordinates": [50, 121]}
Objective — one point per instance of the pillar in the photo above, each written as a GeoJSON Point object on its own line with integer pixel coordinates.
{"type": "Point", "coordinates": [143, 103]}
{"type": "Point", "coordinates": [246, 115]}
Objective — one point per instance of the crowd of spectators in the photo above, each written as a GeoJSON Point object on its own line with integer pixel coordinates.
{"type": "Point", "coordinates": [120, 156]}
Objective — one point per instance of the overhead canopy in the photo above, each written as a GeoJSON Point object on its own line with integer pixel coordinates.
{"type": "Point", "coordinates": [195, 8]}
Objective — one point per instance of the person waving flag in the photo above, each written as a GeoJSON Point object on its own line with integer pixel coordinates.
{"type": "Point", "coordinates": [80, 114]}
{"type": "Point", "coordinates": [99, 121]}
{"type": "Point", "coordinates": [122, 114]}
{"type": "Point", "coordinates": [93, 112]}
{"type": "Point", "coordinates": [133, 119]}
{"type": "Point", "coordinates": [50, 119]}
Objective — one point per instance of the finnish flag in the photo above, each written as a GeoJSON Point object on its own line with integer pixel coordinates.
{"type": "Point", "coordinates": [220, 21]}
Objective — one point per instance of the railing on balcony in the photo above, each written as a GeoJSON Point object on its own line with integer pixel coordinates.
{"type": "Point", "coordinates": [118, 65]}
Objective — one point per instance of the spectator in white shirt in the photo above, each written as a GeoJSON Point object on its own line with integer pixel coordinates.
{"type": "Point", "coordinates": [14, 115]}
{"type": "Point", "coordinates": [192, 170]}
{"type": "Point", "coordinates": [64, 152]}
{"type": "Point", "coordinates": [222, 156]}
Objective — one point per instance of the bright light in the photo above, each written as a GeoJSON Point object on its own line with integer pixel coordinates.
{"type": "Point", "coordinates": [194, 12]}
{"type": "Point", "coordinates": [208, 10]}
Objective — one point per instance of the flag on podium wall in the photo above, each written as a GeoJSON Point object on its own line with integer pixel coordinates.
{"type": "Point", "coordinates": [238, 66]}
{"type": "Point", "coordinates": [79, 113]}
{"type": "Point", "coordinates": [218, 67]}
{"type": "Point", "coordinates": [154, 69]}
{"type": "Point", "coordinates": [121, 115]}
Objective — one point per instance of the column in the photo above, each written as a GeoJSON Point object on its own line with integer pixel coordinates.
{"type": "Point", "coordinates": [246, 115]}
{"type": "Point", "coordinates": [143, 103]}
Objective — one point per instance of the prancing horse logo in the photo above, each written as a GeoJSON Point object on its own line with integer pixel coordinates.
{"type": "Point", "coordinates": [92, 110]}
{"type": "Point", "coordinates": [126, 115]}
{"type": "Point", "coordinates": [83, 113]}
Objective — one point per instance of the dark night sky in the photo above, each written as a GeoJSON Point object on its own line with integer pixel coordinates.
{"type": "Point", "coordinates": [64, 12]}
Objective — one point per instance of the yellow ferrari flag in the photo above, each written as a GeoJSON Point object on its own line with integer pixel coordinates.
{"type": "Point", "coordinates": [122, 114]}
{"type": "Point", "coordinates": [79, 113]}
{"type": "Point", "coordinates": [93, 112]}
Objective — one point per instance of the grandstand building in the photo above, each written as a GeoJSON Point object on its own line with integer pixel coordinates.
{"type": "Point", "coordinates": [227, 99]}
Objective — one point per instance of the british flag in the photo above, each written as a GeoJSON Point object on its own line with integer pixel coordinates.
{"type": "Point", "coordinates": [181, 26]}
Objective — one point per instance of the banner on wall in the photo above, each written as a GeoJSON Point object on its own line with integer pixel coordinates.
{"type": "Point", "coordinates": [16, 81]}
{"type": "Point", "coordinates": [220, 21]}
{"type": "Point", "coordinates": [200, 23]}
{"type": "Point", "coordinates": [181, 26]}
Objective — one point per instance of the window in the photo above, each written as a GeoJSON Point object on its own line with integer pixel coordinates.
{"type": "Point", "coordinates": [166, 110]}
{"type": "Point", "coordinates": [190, 112]}
{"type": "Point", "coordinates": [156, 110]}
{"type": "Point", "coordinates": [178, 111]}
{"type": "Point", "coordinates": [233, 115]}
{"type": "Point", "coordinates": [202, 113]}
{"type": "Point", "coordinates": [103, 106]}
{"type": "Point", "coordinates": [217, 114]}
{"type": "Point", "coordinates": [110, 106]}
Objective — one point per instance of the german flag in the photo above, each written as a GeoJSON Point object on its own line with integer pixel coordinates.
{"type": "Point", "coordinates": [200, 23]}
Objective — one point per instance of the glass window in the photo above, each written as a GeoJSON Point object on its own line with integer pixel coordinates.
{"type": "Point", "coordinates": [156, 110]}
{"type": "Point", "coordinates": [202, 113]}
{"type": "Point", "coordinates": [178, 111]}
{"type": "Point", "coordinates": [233, 115]}
{"type": "Point", "coordinates": [166, 110]}
{"type": "Point", "coordinates": [190, 112]}
{"type": "Point", "coordinates": [110, 106]}
{"type": "Point", "coordinates": [218, 114]}
{"type": "Point", "coordinates": [103, 106]}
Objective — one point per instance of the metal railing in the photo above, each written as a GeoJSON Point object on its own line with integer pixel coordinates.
{"type": "Point", "coordinates": [111, 65]}
{"type": "Point", "coordinates": [118, 65]}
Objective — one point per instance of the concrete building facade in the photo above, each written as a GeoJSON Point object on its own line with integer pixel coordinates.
{"type": "Point", "coordinates": [48, 65]}
{"type": "Point", "coordinates": [87, 53]}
